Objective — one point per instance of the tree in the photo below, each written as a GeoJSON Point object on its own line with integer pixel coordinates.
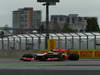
{"type": "Point", "coordinates": [92, 25]}
{"type": "Point", "coordinates": [67, 29]}
{"type": "Point", "coordinates": [41, 29]}
{"type": "Point", "coordinates": [1, 34]}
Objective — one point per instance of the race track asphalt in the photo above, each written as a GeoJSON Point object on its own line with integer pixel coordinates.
{"type": "Point", "coordinates": [84, 63]}
{"type": "Point", "coordinates": [81, 67]}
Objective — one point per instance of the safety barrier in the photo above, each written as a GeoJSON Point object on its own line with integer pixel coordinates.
{"type": "Point", "coordinates": [87, 53]}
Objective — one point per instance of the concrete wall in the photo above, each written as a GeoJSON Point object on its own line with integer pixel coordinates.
{"type": "Point", "coordinates": [15, 53]}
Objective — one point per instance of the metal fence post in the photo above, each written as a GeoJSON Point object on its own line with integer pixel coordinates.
{"type": "Point", "coordinates": [13, 43]}
{"type": "Point", "coordinates": [8, 42]}
{"type": "Point", "coordinates": [25, 42]}
{"type": "Point", "coordinates": [94, 40]}
{"type": "Point", "coordinates": [65, 41]}
{"type": "Point", "coordinates": [32, 42]}
{"type": "Point", "coordinates": [2, 44]}
{"type": "Point", "coordinates": [79, 40]}
{"type": "Point", "coordinates": [72, 40]}
{"type": "Point", "coordinates": [39, 40]}
{"type": "Point", "coordinates": [58, 41]}
{"type": "Point", "coordinates": [87, 40]}
{"type": "Point", "coordinates": [19, 42]}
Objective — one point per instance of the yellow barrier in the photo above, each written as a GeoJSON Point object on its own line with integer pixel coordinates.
{"type": "Point", "coordinates": [87, 53]}
{"type": "Point", "coordinates": [97, 54]}
{"type": "Point", "coordinates": [43, 51]}
{"type": "Point", "coordinates": [51, 44]}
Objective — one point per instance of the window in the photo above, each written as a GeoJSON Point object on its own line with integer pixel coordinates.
{"type": "Point", "coordinates": [73, 19]}
{"type": "Point", "coordinates": [80, 19]}
{"type": "Point", "coordinates": [67, 20]}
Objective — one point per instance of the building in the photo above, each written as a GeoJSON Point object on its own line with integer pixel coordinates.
{"type": "Point", "coordinates": [26, 18]}
{"type": "Point", "coordinates": [36, 19]}
{"type": "Point", "coordinates": [73, 21]}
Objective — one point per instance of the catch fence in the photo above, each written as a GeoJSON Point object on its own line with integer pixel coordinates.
{"type": "Point", "coordinates": [80, 41]}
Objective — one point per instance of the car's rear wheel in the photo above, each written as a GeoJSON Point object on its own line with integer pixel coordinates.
{"type": "Point", "coordinates": [61, 58]}
{"type": "Point", "coordinates": [73, 57]}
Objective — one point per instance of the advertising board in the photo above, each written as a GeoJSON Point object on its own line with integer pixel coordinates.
{"type": "Point", "coordinates": [86, 54]}
{"type": "Point", "coordinates": [51, 44]}
{"type": "Point", "coordinates": [97, 54]}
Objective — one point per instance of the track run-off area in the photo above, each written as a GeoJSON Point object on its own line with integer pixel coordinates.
{"type": "Point", "coordinates": [15, 66]}
{"type": "Point", "coordinates": [82, 64]}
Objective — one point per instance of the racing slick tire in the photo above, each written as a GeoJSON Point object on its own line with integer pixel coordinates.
{"type": "Point", "coordinates": [73, 57]}
{"type": "Point", "coordinates": [27, 56]}
{"type": "Point", "coordinates": [62, 58]}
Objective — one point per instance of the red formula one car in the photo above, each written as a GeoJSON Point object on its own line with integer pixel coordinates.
{"type": "Point", "coordinates": [53, 55]}
{"type": "Point", "coordinates": [57, 55]}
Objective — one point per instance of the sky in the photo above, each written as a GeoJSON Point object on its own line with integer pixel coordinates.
{"type": "Point", "coordinates": [85, 8]}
